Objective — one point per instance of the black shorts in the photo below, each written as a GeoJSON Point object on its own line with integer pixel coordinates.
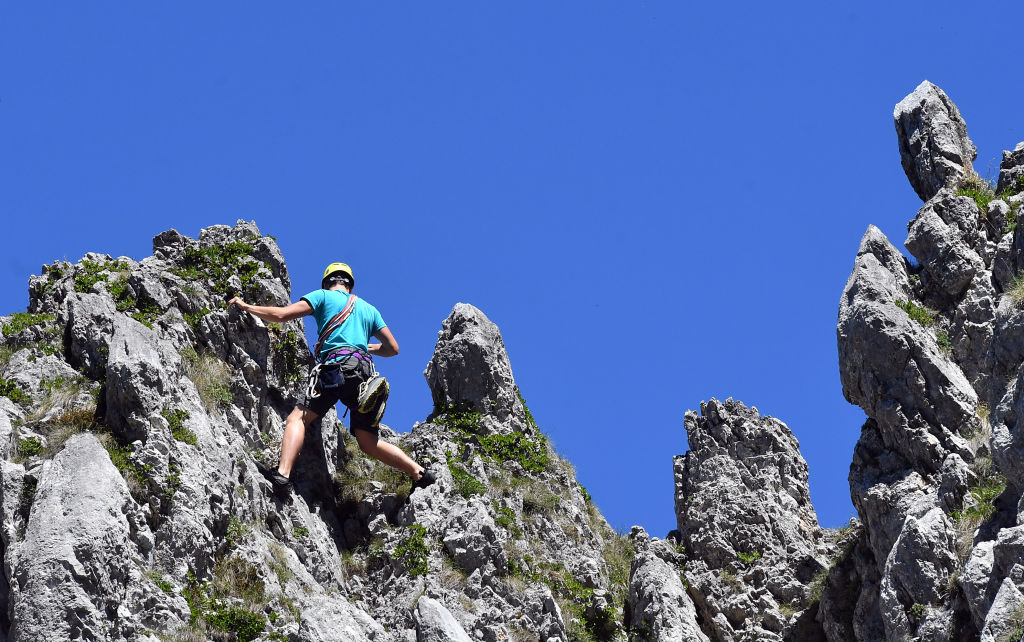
{"type": "Point", "coordinates": [355, 371]}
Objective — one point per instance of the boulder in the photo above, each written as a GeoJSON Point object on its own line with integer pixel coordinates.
{"type": "Point", "coordinates": [75, 575]}
{"type": "Point", "coordinates": [934, 147]}
{"type": "Point", "coordinates": [471, 368]}
{"type": "Point", "coordinates": [435, 623]}
{"type": "Point", "coordinates": [659, 606]}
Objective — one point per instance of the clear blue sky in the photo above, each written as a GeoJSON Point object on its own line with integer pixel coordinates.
{"type": "Point", "coordinates": [657, 202]}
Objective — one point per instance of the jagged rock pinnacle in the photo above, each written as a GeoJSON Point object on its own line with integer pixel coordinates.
{"type": "Point", "coordinates": [933, 141]}
{"type": "Point", "coordinates": [933, 354]}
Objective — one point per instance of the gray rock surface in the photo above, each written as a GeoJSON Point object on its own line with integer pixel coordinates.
{"type": "Point", "coordinates": [470, 366]}
{"type": "Point", "coordinates": [74, 575]}
{"type": "Point", "coordinates": [131, 507]}
{"type": "Point", "coordinates": [933, 354]}
{"type": "Point", "coordinates": [435, 623]}
{"type": "Point", "coordinates": [659, 606]}
{"type": "Point", "coordinates": [744, 512]}
{"type": "Point", "coordinates": [933, 141]}
{"type": "Point", "coordinates": [330, 619]}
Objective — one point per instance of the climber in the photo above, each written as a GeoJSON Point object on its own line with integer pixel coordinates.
{"type": "Point", "coordinates": [344, 371]}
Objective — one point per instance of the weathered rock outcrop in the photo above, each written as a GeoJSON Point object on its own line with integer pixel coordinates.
{"type": "Point", "coordinates": [932, 352]}
{"type": "Point", "coordinates": [934, 147]}
{"type": "Point", "coordinates": [133, 407]}
{"type": "Point", "coordinates": [660, 607]}
{"type": "Point", "coordinates": [751, 537]}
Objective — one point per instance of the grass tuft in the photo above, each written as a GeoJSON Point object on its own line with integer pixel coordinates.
{"type": "Point", "coordinates": [211, 377]}
{"type": "Point", "coordinates": [924, 316]}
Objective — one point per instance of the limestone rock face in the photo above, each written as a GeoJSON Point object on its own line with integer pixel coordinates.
{"type": "Point", "coordinates": [933, 353]}
{"type": "Point", "coordinates": [470, 366]}
{"type": "Point", "coordinates": [933, 141]}
{"type": "Point", "coordinates": [136, 408]}
{"type": "Point", "coordinates": [73, 575]}
{"type": "Point", "coordinates": [435, 623]}
{"type": "Point", "coordinates": [660, 607]}
{"type": "Point", "coordinates": [745, 519]}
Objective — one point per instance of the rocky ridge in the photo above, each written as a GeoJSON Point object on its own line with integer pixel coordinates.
{"type": "Point", "coordinates": [134, 406]}
{"type": "Point", "coordinates": [931, 349]}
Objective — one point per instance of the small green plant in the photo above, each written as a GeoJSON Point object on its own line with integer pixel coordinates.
{"type": "Point", "coordinates": [984, 493]}
{"type": "Point", "coordinates": [916, 312]}
{"type": "Point", "coordinates": [236, 532]}
{"type": "Point", "coordinates": [412, 552]}
{"type": "Point", "coordinates": [290, 350]}
{"type": "Point", "coordinates": [586, 495]}
{"type": "Point", "coordinates": [917, 612]}
{"type": "Point", "coordinates": [145, 312]}
{"type": "Point", "coordinates": [233, 577]}
{"type": "Point", "coordinates": [465, 483]}
{"type": "Point", "coordinates": [730, 579]}
{"type": "Point", "coordinates": [93, 272]}
{"type": "Point", "coordinates": [978, 189]}
{"type": "Point", "coordinates": [459, 417]}
{"type": "Point", "coordinates": [11, 390]}
{"type": "Point", "coordinates": [538, 500]}
{"type": "Point", "coordinates": [90, 274]}
{"type": "Point", "coordinates": [945, 345]}
{"type": "Point", "coordinates": [192, 318]}
{"type": "Point", "coordinates": [245, 624]}
{"type": "Point", "coordinates": [176, 422]}
{"type": "Point", "coordinates": [530, 421]}
{"type": "Point", "coordinates": [172, 482]}
{"type": "Point", "coordinates": [22, 320]}
{"type": "Point", "coordinates": [618, 554]}
{"type": "Point", "coordinates": [506, 518]}
{"type": "Point", "coordinates": [29, 447]}
{"type": "Point", "coordinates": [983, 411]}
{"type": "Point", "coordinates": [597, 623]}
{"type": "Point", "coordinates": [134, 474]}
{"type": "Point", "coordinates": [298, 532]}
{"type": "Point", "coordinates": [789, 609]}
{"type": "Point", "coordinates": [531, 454]}
{"type": "Point", "coordinates": [279, 564]}
{"type": "Point", "coordinates": [217, 264]}
{"type": "Point", "coordinates": [749, 558]}
{"type": "Point", "coordinates": [157, 578]}
{"type": "Point", "coordinates": [1011, 221]}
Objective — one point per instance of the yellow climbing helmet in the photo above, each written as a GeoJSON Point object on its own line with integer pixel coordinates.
{"type": "Point", "coordinates": [339, 267]}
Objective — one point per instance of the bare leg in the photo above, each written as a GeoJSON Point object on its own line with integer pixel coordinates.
{"type": "Point", "coordinates": [294, 434]}
{"type": "Point", "coordinates": [387, 453]}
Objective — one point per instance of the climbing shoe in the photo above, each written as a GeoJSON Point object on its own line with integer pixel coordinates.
{"type": "Point", "coordinates": [373, 393]}
{"type": "Point", "coordinates": [380, 413]}
{"type": "Point", "coordinates": [281, 484]}
{"type": "Point", "coordinates": [426, 479]}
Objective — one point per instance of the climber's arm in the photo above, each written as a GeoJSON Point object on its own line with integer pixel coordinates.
{"type": "Point", "coordinates": [274, 313]}
{"type": "Point", "coordinates": [388, 346]}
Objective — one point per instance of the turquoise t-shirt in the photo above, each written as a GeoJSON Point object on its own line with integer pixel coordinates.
{"type": "Point", "coordinates": [360, 325]}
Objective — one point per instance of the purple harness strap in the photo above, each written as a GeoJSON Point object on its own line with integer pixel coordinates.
{"type": "Point", "coordinates": [347, 352]}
